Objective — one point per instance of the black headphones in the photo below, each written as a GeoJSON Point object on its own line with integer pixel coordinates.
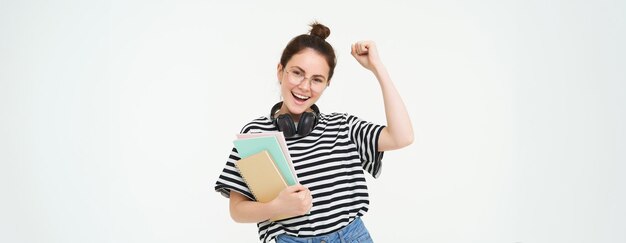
{"type": "Point", "coordinates": [286, 124]}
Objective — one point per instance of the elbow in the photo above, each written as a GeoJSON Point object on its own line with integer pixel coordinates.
{"type": "Point", "coordinates": [410, 140]}
{"type": "Point", "coordinates": [237, 220]}
{"type": "Point", "coordinates": [236, 217]}
{"type": "Point", "coordinates": [393, 141]}
{"type": "Point", "coordinates": [234, 214]}
{"type": "Point", "coordinates": [406, 141]}
{"type": "Point", "coordinates": [400, 143]}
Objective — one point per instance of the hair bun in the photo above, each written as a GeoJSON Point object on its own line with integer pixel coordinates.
{"type": "Point", "coordinates": [319, 30]}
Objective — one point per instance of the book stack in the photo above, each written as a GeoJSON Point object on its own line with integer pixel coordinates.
{"type": "Point", "coordinates": [265, 164]}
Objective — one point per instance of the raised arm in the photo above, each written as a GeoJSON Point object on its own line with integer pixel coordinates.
{"type": "Point", "coordinates": [399, 130]}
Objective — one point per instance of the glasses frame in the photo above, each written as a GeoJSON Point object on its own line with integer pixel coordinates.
{"type": "Point", "coordinates": [290, 74]}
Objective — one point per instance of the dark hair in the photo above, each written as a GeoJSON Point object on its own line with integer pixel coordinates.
{"type": "Point", "coordinates": [314, 40]}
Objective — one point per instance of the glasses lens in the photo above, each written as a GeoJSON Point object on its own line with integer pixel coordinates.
{"type": "Point", "coordinates": [296, 77]}
{"type": "Point", "coordinates": [318, 84]}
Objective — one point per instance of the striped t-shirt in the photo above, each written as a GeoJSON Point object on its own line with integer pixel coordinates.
{"type": "Point", "coordinates": [330, 162]}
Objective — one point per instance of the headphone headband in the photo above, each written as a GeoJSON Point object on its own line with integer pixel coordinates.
{"type": "Point", "coordinates": [278, 105]}
{"type": "Point", "coordinates": [286, 124]}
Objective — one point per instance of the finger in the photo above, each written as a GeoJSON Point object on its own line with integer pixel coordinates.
{"type": "Point", "coordinates": [303, 194]}
{"type": "Point", "coordinates": [364, 47]}
{"type": "Point", "coordinates": [371, 46]}
{"type": "Point", "coordinates": [296, 188]}
{"type": "Point", "coordinates": [353, 49]}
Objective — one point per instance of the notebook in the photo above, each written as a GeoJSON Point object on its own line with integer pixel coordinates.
{"type": "Point", "coordinates": [249, 146]}
{"type": "Point", "coordinates": [281, 140]}
{"type": "Point", "coordinates": [262, 177]}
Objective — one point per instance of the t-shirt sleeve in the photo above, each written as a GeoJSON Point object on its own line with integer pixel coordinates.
{"type": "Point", "coordinates": [230, 179]}
{"type": "Point", "coordinates": [365, 136]}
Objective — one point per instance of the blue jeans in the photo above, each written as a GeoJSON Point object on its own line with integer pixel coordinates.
{"type": "Point", "coordinates": [355, 232]}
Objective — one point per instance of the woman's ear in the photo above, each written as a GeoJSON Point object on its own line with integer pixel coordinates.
{"type": "Point", "coordinates": [279, 72]}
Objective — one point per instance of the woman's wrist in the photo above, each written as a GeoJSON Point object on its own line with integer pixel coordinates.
{"type": "Point", "coordinates": [380, 71]}
{"type": "Point", "coordinates": [274, 208]}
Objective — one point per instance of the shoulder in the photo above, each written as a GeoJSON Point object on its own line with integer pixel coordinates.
{"type": "Point", "coordinates": [259, 124]}
{"type": "Point", "coordinates": [338, 117]}
{"type": "Point", "coordinates": [335, 116]}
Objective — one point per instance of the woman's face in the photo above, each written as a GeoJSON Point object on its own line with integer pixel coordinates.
{"type": "Point", "coordinates": [298, 93]}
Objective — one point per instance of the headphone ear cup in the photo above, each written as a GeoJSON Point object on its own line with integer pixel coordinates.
{"type": "Point", "coordinates": [307, 123]}
{"type": "Point", "coordinates": [286, 125]}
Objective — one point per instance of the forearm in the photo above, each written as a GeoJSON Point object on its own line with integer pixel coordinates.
{"type": "Point", "coordinates": [245, 211]}
{"type": "Point", "coordinates": [292, 201]}
{"type": "Point", "coordinates": [399, 128]}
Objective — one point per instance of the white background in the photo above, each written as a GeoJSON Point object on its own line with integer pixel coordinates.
{"type": "Point", "coordinates": [116, 117]}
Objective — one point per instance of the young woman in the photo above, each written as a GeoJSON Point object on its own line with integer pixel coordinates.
{"type": "Point", "coordinates": [330, 152]}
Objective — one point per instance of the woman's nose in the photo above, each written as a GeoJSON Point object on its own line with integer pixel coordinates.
{"type": "Point", "coordinates": [305, 84]}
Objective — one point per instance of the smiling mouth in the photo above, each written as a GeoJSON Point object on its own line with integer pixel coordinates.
{"type": "Point", "coordinates": [300, 97]}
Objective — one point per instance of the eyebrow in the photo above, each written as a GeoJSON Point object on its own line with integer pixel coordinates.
{"type": "Point", "coordinates": [314, 75]}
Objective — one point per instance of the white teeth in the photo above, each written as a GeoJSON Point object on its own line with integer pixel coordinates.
{"type": "Point", "coordinates": [301, 96]}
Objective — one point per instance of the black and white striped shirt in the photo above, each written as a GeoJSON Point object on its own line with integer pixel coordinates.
{"type": "Point", "coordinates": [330, 162]}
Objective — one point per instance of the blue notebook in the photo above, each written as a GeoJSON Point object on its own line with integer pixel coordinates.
{"type": "Point", "coordinates": [281, 140]}
{"type": "Point", "coordinates": [250, 146]}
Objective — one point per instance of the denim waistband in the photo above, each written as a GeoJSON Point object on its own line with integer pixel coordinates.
{"type": "Point", "coordinates": [353, 231]}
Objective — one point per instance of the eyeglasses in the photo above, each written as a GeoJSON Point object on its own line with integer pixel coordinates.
{"type": "Point", "coordinates": [296, 76]}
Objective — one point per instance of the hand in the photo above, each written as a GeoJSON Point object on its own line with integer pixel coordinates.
{"type": "Point", "coordinates": [366, 54]}
{"type": "Point", "coordinates": [294, 200]}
